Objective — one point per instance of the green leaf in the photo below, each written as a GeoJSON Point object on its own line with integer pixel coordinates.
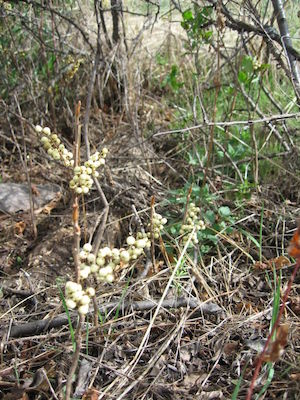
{"type": "Point", "coordinates": [187, 15]}
{"type": "Point", "coordinates": [210, 216]}
{"type": "Point", "coordinates": [242, 77]}
{"type": "Point", "coordinates": [224, 211]}
{"type": "Point", "coordinates": [247, 64]}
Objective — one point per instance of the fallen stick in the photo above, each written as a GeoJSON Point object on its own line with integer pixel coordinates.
{"type": "Point", "coordinates": [40, 326]}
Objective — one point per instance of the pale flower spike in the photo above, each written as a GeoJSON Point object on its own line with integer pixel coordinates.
{"type": "Point", "coordinates": [82, 180]}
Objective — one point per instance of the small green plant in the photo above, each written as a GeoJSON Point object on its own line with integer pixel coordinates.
{"type": "Point", "coordinates": [250, 70]}
{"type": "Point", "coordinates": [210, 218]}
{"type": "Point", "coordinates": [195, 25]}
{"type": "Point", "coordinates": [172, 79]}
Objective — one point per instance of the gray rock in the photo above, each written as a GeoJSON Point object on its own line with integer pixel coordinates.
{"type": "Point", "coordinates": [14, 197]}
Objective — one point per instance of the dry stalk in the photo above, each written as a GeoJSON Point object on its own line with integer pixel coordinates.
{"type": "Point", "coordinates": [75, 217]}
{"type": "Point", "coordinates": [76, 250]}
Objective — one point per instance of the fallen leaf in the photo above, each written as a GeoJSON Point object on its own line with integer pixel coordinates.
{"type": "Point", "coordinates": [19, 227]}
{"type": "Point", "coordinates": [294, 247]}
{"type": "Point", "coordinates": [91, 394]}
{"type": "Point", "coordinates": [278, 263]}
{"type": "Point", "coordinates": [276, 348]}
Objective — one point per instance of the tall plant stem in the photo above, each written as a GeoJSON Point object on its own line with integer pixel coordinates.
{"type": "Point", "coordinates": [75, 216]}
{"type": "Point", "coordinates": [75, 358]}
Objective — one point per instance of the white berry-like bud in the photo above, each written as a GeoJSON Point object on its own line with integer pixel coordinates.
{"type": "Point", "coordinates": [141, 243]}
{"type": "Point", "coordinates": [164, 221]}
{"type": "Point", "coordinates": [137, 252]}
{"type": "Point", "coordinates": [90, 291]}
{"type": "Point", "coordinates": [91, 258]}
{"type": "Point", "coordinates": [83, 255]}
{"type": "Point", "coordinates": [44, 140]}
{"type": "Point", "coordinates": [47, 131]}
{"type": "Point", "coordinates": [84, 177]}
{"type": "Point", "coordinates": [78, 190]}
{"type": "Point", "coordinates": [56, 155]}
{"type": "Point", "coordinates": [94, 268]}
{"type": "Point", "coordinates": [110, 268]}
{"type": "Point", "coordinates": [84, 273]}
{"type": "Point", "coordinates": [130, 240]}
{"type": "Point", "coordinates": [87, 247]}
{"type": "Point", "coordinates": [71, 304]}
{"type": "Point", "coordinates": [100, 261]}
{"type": "Point", "coordinates": [110, 278]}
{"type": "Point", "coordinates": [73, 287]}
{"type": "Point", "coordinates": [104, 150]}
{"type": "Point", "coordinates": [102, 272]}
{"type": "Point", "coordinates": [76, 296]}
{"type": "Point", "coordinates": [84, 309]}
{"type": "Point", "coordinates": [85, 299]}
{"type": "Point", "coordinates": [115, 253]}
{"type": "Point", "coordinates": [85, 190]}
{"type": "Point", "coordinates": [38, 129]}
{"type": "Point", "coordinates": [105, 252]}
{"type": "Point", "coordinates": [124, 256]}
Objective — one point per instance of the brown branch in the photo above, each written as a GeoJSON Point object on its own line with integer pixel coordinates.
{"type": "Point", "coordinates": [278, 117]}
{"type": "Point", "coordinates": [40, 326]}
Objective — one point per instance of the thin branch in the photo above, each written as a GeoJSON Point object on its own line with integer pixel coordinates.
{"type": "Point", "coordinates": [278, 117]}
{"type": "Point", "coordinates": [69, 20]}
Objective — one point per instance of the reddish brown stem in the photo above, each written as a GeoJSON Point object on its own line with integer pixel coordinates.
{"type": "Point", "coordinates": [75, 217]}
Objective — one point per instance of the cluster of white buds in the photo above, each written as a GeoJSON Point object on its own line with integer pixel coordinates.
{"type": "Point", "coordinates": [54, 147]}
{"type": "Point", "coordinates": [87, 260]}
{"type": "Point", "coordinates": [82, 180]}
{"type": "Point", "coordinates": [78, 298]}
{"type": "Point", "coordinates": [102, 266]}
{"type": "Point", "coordinates": [158, 223]}
{"type": "Point", "coordinates": [192, 221]}
{"type": "Point", "coordinates": [107, 260]}
{"type": "Point", "coordinates": [137, 245]}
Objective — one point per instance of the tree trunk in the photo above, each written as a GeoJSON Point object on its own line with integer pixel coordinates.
{"type": "Point", "coordinates": [286, 41]}
{"type": "Point", "coordinates": [115, 12]}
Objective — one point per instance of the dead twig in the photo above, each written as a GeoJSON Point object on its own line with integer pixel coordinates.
{"type": "Point", "coordinates": [40, 326]}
